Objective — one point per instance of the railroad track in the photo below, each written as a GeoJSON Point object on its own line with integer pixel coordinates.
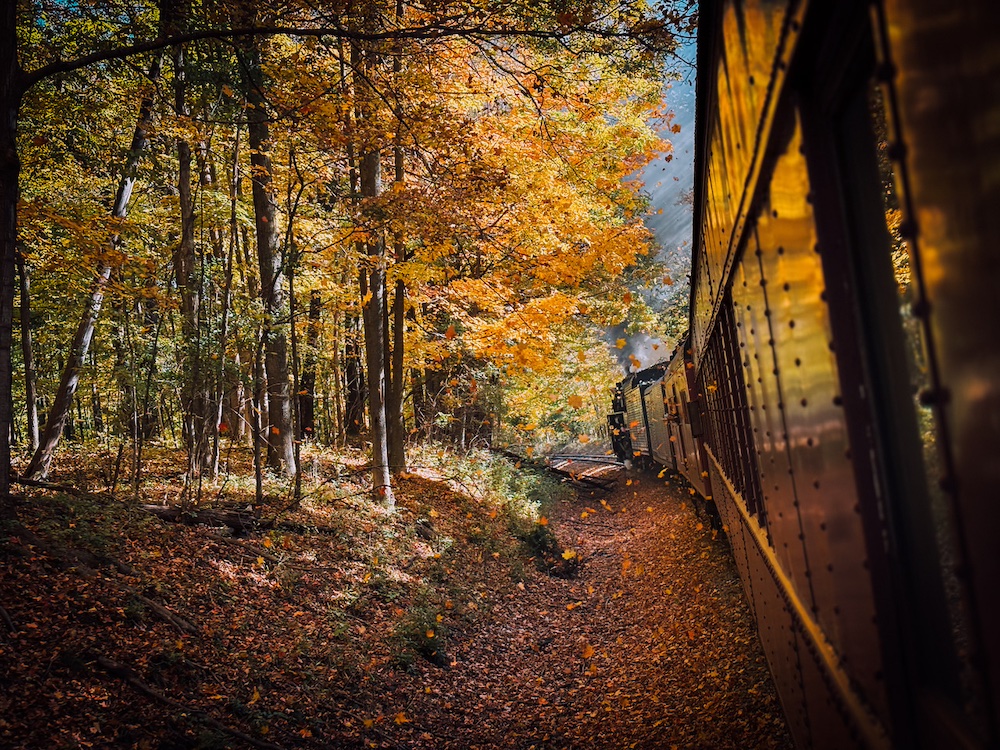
{"type": "Point", "coordinates": [588, 471]}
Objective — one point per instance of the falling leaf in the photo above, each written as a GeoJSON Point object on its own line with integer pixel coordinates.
{"type": "Point", "coordinates": [588, 651]}
{"type": "Point", "coordinates": [621, 343]}
{"type": "Point", "coordinates": [568, 554]}
{"type": "Point", "coordinates": [401, 718]}
{"type": "Point", "coordinates": [543, 521]}
{"type": "Point", "coordinates": [267, 542]}
{"type": "Point", "coordinates": [575, 401]}
{"type": "Point", "coordinates": [450, 333]}
{"type": "Point", "coordinates": [430, 633]}
{"type": "Point", "coordinates": [584, 438]}
{"type": "Point", "coordinates": [254, 698]}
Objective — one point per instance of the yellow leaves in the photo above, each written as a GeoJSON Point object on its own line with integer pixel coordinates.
{"type": "Point", "coordinates": [429, 633]}
{"type": "Point", "coordinates": [267, 542]}
{"type": "Point", "coordinates": [568, 554]}
{"type": "Point", "coordinates": [254, 698]}
{"type": "Point", "coordinates": [584, 438]}
{"type": "Point", "coordinates": [401, 718]}
{"type": "Point", "coordinates": [621, 343]}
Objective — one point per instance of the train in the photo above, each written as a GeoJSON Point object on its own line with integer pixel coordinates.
{"type": "Point", "coordinates": [838, 394]}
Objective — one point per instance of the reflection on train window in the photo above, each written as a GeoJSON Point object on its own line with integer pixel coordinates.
{"type": "Point", "coordinates": [920, 383]}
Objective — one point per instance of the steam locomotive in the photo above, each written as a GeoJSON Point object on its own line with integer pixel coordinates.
{"type": "Point", "coordinates": [838, 396]}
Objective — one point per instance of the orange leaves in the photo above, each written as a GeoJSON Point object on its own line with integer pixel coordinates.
{"type": "Point", "coordinates": [450, 333]}
{"type": "Point", "coordinates": [575, 401]}
{"type": "Point", "coordinates": [588, 651]}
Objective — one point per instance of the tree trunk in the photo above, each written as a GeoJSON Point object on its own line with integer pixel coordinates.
{"type": "Point", "coordinates": [38, 468]}
{"type": "Point", "coordinates": [280, 435]}
{"type": "Point", "coordinates": [373, 294]}
{"type": "Point", "coordinates": [394, 365]}
{"type": "Point", "coordinates": [307, 394]}
{"type": "Point", "coordinates": [27, 354]}
{"type": "Point", "coordinates": [397, 374]}
{"type": "Point", "coordinates": [11, 90]}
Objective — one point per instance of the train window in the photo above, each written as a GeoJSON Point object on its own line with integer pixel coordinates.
{"type": "Point", "coordinates": [964, 689]}
{"type": "Point", "coordinates": [907, 464]}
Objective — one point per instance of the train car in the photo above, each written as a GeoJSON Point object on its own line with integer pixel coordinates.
{"type": "Point", "coordinates": [845, 352]}
{"type": "Point", "coordinates": [629, 421]}
{"type": "Point", "coordinates": [686, 431]}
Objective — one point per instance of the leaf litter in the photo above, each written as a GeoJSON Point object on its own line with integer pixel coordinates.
{"type": "Point", "coordinates": [430, 628]}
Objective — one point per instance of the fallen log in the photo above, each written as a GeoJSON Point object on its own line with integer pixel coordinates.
{"type": "Point", "coordinates": [241, 522]}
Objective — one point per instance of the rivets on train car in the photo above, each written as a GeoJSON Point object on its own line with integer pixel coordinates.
{"type": "Point", "coordinates": [798, 362]}
{"type": "Point", "coordinates": [931, 396]}
{"type": "Point", "coordinates": [847, 454]}
{"type": "Point", "coordinates": [774, 212]}
{"type": "Point", "coordinates": [838, 401]}
{"type": "Point", "coordinates": [767, 312]}
{"type": "Point", "coordinates": [896, 150]}
{"type": "Point", "coordinates": [822, 526]}
{"type": "Point", "coordinates": [809, 197]}
{"type": "Point", "coordinates": [885, 71]}
{"type": "Point", "coordinates": [829, 567]}
{"type": "Point", "coordinates": [804, 402]}
{"type": "Point", "coordinates": [908, 229]}
{"type": "Point", "coordinates": [791, 324]}
{"type": "Point", "coordinates": [770, 342]}
{"type": "Point", "coordinates": [787, 286]}
{"type": "Point", "coordinates": [781, 250]}
{"type": "Point", "coordinates": [920, 308]}
{"type": "Point", "coordinates": [810, 442]}
{"type": "Point", "coordinates": [763, 282]}
{"type": "Point", "coordinates": [816, 484]}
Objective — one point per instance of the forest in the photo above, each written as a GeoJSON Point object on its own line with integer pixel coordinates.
{"type": "Point", "coordinates": [290, 270]}
{"type": "Point", "coordinates": [255, 226]}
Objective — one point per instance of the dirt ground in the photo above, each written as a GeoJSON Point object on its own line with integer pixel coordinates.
{"type": "Point", "coordinates": [651, 645]}
{"type": "Point", "coordinates": [429, 627]}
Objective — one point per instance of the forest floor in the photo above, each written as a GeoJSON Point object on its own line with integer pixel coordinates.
{"type": "Point", "coordinates": [469, 618]}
